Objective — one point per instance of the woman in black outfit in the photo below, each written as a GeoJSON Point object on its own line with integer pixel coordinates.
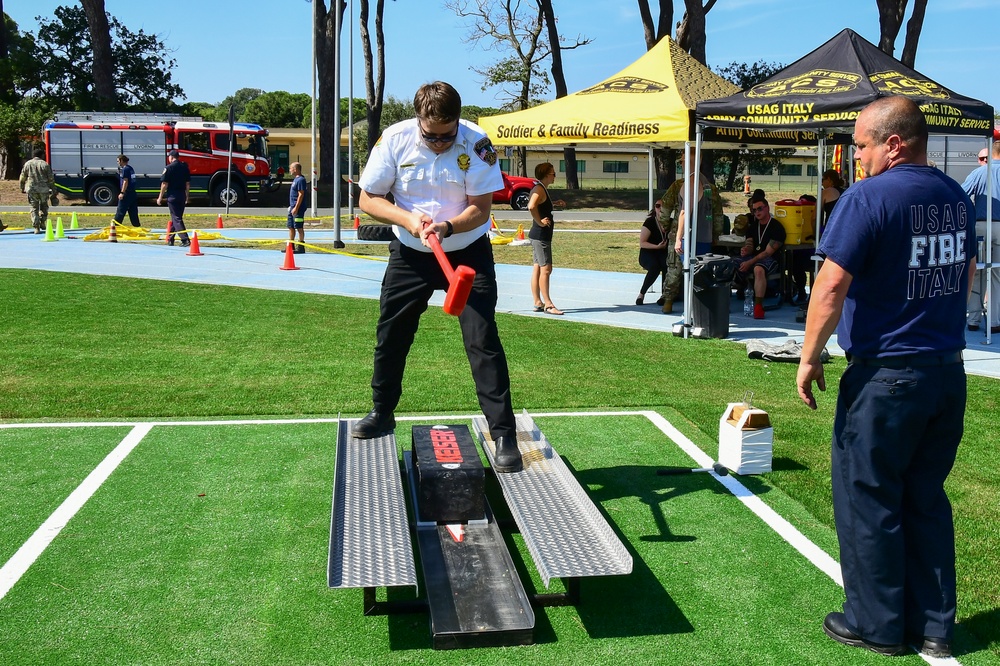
{"type": "Point", "coordinates": [540, 235]}
{"type": "Point", "coordinates": [652, 251]}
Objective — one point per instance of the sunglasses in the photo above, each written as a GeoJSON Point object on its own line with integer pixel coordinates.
{"type": "Point", "coordinates": [657, 206]}
{"type": "Point", "coordinates": [437, 138]}
{"type": "Point", "coordinates": [982, 159]}
{"type": "Point", "coordinates": [758, 209]}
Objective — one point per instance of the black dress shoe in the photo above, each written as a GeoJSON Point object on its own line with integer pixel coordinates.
{"type": "Point", "coordinates": [507, 457]}
{"type": "Point", "coordinates": [973, 327]}
{"type": "Point", "coordinates": [835, 626]}
{"type": "Point", "coordinates": [375, 424]}
{"type": "Point", "coordinates": [936, 647]}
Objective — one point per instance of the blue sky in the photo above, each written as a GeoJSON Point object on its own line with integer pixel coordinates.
{"type": "Point", "coordinates": [223, 46]}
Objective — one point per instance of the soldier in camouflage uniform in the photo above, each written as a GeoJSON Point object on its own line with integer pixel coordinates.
{"type": "Point", "coordinates": [672, 201]}
{"type": "Point", "coordinates": [39, 183]}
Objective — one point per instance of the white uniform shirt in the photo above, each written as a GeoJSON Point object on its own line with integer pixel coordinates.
{"type": "Point", "coordinates": [436, 185]}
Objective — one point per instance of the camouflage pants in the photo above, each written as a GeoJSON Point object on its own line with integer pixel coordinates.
{"type": "Point", "coordinates": [675, 275]}
{"type": "Point", "coordinates": [39, 202]}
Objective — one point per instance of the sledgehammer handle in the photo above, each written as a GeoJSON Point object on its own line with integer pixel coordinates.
{"type": "Point", "coordinates": [442, 258]}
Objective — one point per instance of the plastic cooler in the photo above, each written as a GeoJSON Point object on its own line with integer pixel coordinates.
{"type": "Point", "coordinates": [798, 218]}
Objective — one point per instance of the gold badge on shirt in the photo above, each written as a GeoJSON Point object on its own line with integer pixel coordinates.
{"type": "Point", "coordinates": [463, 162]}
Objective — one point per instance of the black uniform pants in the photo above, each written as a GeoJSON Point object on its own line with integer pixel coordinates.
{"type": "Point", "coordinates": [410, 279]}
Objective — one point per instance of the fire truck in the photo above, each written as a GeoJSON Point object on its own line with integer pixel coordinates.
{"type": "Point", "coordinates": [83, 148]}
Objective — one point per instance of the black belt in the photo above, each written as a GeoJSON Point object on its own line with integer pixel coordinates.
{"type": "Point", "coordinates": [908, 361]}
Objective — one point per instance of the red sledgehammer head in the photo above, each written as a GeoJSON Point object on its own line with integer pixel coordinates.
{"type": "Point", "coordinates": [458, 290]}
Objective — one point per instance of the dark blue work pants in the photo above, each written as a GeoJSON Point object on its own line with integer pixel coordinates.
{"type": "Point", "coordinates": [895, 438]}
{"type": "Point", "coordinates": [128, 204]}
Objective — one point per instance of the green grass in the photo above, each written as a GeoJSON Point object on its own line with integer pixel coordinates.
{"type": "Point", "coordinates": [101, 348]}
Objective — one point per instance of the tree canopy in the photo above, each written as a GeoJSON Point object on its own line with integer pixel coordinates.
{"type": "Point", "coordinates": [141, 65]}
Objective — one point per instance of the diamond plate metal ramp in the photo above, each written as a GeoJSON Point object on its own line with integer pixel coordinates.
{"type": "Point", "coordinates": [565, 532]}
{"type": "Point", "coordinates": [370, 542]}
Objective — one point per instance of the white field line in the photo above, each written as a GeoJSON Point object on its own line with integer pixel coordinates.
{"type": "Point", "coordinates": [26, 555]}
{"type": "Point", "coordinates": [816, 555]}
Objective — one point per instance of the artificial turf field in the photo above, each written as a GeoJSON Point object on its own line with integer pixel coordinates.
{"type": "Point", "coordinates": [205, 542]}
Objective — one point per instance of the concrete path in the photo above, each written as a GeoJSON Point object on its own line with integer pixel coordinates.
{"type": "Point", "coordinates": [589, 297]}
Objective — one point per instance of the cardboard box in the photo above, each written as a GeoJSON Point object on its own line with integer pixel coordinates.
{"type": "Point", "coordinates": [746, 439]}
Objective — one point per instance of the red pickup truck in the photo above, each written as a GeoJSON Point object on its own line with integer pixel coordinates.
{"type": "Point", "coordinates": [515, 191]}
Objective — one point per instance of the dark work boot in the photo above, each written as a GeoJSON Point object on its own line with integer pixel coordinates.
{"type": "Point", "coordinates": [375, 424]}
{"type": "Point", "coordinates": [507, 457]}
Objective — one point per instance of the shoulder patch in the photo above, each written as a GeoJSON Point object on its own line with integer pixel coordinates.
{"type": "Point", "coordinates": [484, 148]}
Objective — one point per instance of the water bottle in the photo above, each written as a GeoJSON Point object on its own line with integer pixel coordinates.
{"type": "Point", "coordinates": [748, 302]}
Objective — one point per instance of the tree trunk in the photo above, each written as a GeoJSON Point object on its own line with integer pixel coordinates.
{"type": "Point", "coordinates": [326, 48]}
{"type": "Point", "coordinates": [890, 18]}
{"type": "Point", "coordinates": [694, 18]}
{"type": "Point", "coordinates": [913, 28]}
{"type": "Point", "coordinates": [663, 158]}
{"type": "Point", "coordinates": [559, 78]}
{"type": "Point", "coordinates": [374, 72]}
{"type": "Point", "coordinates": [104, 66]}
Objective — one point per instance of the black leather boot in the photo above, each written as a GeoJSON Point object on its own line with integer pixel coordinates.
{"type": "Point", "coordinates": [375, 424]}
{"type": "Point", "coordinates": [507, 457]}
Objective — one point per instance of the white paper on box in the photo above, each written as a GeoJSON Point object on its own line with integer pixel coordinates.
{"type": "Point", "coordinates": [742, 449]}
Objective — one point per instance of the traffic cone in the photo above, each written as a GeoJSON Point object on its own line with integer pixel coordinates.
{"type": "Point", "coordinates": [493, 223]}
{"type": "Point", "coordinates": [49, 233]}
{"type": "Point", "coordinates": [357, 221]}
{"type": "Point", "coordinates": [73, 223]}
{"type": "Point", "coordinates": [60, 232]}
{"type": "Point", "coordinates": [289, 258]}
{"type": "Point", "coordinates": [195, 250]}
{"type": "Point", "coordinates": [218, 222]}
{"type": "Point", "coordinates": [112, 234]}
{"type": "Point", "coordinates": [520, 232]}
{"type": "Point", "coordinates": [170, 228]}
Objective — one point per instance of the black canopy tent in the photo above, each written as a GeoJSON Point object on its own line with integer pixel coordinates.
{"type": "Point", "coordinates": [825, 90]}
{"type": "Point", "coordinates": [819, 97]}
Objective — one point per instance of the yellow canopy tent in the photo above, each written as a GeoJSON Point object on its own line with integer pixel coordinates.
{"type": "Point", "coordinates": [650, 102]}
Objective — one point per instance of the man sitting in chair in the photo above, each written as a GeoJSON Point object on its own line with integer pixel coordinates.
{"type": "Point", "coordinates": [759, 256]}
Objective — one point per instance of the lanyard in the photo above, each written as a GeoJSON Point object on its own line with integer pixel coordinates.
{"type": "Point", "coordinates": [761, 232]}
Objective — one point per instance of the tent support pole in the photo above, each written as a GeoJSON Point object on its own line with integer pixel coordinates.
{"type": "Point", "coordinates": [652, 176]}
{"type": "Point", "coordinates": [686, 241]}
{"type": "Point", "coordinates": [988, 245]}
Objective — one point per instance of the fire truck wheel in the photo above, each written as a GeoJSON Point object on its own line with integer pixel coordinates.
{"type": "Point", "coordinates": [102, 193]}
{"type": "Point", "coordinates": [235, 196]}
{"type": "Point", "coordinates": [375, 232]}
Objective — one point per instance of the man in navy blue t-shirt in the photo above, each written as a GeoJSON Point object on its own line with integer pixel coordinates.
{"type": "Point", "coordinates": [297, 207]}
{"type": "Point", "coordinates": [900, 254]}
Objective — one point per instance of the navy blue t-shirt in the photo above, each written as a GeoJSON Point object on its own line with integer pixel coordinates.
{"type": "Point", "coordinates": [126, 179]}
{"type": "Point", "coordinates": [906, 237]}
{"type": "Point", "coordinates": [298, 185]}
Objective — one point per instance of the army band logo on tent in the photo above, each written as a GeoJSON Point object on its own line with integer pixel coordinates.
{"type": "Point", "coordinates": [894, 83]}
{"type": "Point", "coordinates": [816, 82]}
{"type": "Point", "coordinates": [625, 84]}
